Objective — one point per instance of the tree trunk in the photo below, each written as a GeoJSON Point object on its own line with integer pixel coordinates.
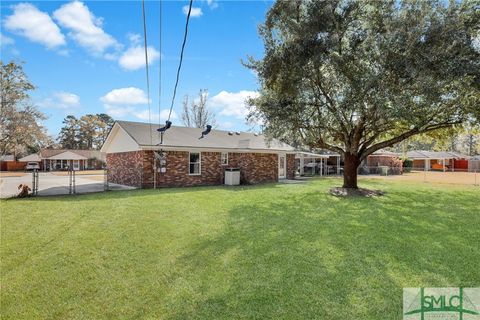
{"type": "Point", "coordinates": [350, 171]}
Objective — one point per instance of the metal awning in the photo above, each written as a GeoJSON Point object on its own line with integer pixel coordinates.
{"type": "Point", "coordinates": [310, 155]}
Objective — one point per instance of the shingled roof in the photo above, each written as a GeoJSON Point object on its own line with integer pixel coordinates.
{"type": "Point", "coordinates": [190, 138]}
{"type": "Point", "coordinates": [422, 154]}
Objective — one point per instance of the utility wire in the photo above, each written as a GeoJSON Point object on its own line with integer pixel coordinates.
{"type": "Point", "coordinates": [146, 67]}
{"type": "Point", "coordinates": [181, 59]}
{"type": "Point", "coordinates": [160, 67]}
{"type": "Point", "coordinates": [148, 88]}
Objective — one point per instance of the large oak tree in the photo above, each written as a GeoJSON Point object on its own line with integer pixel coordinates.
{"type": "Point", "coordinates": [357, 76]}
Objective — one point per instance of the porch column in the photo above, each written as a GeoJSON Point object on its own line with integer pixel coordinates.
{"type": "Point", "coordinates": [302, 164]}
{"type": "Point", "coordinates": [443, 161]}
{"type": "Point", "coordinates": [338, 165]}
{"type": "Point", "coordinates": [321, 167]}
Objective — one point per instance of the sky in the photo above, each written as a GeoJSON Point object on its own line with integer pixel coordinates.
{"type": "Point", "coordinates": [87, 57]}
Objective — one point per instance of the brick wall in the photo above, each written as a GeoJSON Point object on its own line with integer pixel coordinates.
{"type": "Point", "coordinates": [177, 174]}
{"type": "Point", "coordinates": [136, 168]}
{"type": "Point", "coordinates": [290, 166]}
{"type": "Point", "coordinates": [125, 168]}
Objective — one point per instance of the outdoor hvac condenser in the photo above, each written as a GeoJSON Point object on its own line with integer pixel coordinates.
{"type": "Point", "coordinates": [232, 176]}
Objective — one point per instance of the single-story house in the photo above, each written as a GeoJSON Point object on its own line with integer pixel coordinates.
{"type": "Point", "coordinates": [382, 158]}
{"type": "Point", "coordinates": [437, 160]}
{"type": "Point", "coordinates": [62, 159]}
{"type": "Point", "coordinates": [184, 158]}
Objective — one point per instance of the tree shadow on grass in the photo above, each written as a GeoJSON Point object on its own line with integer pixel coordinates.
{"type": "Point", "coordinates": [290, 258]}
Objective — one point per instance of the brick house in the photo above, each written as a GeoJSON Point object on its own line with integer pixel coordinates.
{"type": "Point", "coordinates": [134, 154]}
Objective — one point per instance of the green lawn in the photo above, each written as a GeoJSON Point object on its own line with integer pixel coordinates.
{"type": "Point", "coordinates": [261, 252]}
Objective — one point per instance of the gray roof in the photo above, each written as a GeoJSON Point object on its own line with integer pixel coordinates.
{"type": "Point", "coordinates": [89, 154]}
{"type": "Point", "coordinates": [189, 138]}
{"type": "Point", "coordinates": [34, 157]}
{"type": "Point", "coordinates": [422, 154]}
{"type": "Point", "coordinates": [384, 153]}
{"type": "Point", "coordinates": [7, 157]}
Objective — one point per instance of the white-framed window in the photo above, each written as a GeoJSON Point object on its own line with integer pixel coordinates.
{"type": "Point", "coordinates": [224, 159]}
{"type": "Point", "coordinates": [195, 163]}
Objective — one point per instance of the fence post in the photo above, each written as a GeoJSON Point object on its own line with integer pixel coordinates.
{"type": "Point", "coordinates": [73, 179]}
{"type": "Point", "coordinates": [105, 179]}
{"type": "Point", "coordinates": [34, 182]}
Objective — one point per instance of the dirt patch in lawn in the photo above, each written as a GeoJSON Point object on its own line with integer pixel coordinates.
{"type": "Point", "coordinates": [360, 192]}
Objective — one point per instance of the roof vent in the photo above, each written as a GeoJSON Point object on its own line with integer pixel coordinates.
{"type": "Point", "coordinates": [237, 133]}
{"type": "Point", "coordinates": [230, 133]}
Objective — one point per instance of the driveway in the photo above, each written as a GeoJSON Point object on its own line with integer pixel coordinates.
{"type": "Point", "coordinates": [53, 184]}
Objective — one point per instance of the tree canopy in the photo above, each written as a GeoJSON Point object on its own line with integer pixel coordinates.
{"type": "Point", "coordinates": [87, 132]}
{"type": "Point", "coordinates": [21, 129]}
{"type": "Point", "coordinates": [357, 76]}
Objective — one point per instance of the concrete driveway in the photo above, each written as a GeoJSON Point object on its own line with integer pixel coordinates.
{"type": "Point", "coordinates": [53, 184]}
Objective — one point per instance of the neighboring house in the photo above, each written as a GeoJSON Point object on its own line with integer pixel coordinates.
{"type": "Point", "coordinates": [185, 159]}
{"type": "Point", "coordinates": [384, 158]}
{"type": "Point", "coordinates": [63, 159]}
{"type": "Point", "coordinates": [438, 160]}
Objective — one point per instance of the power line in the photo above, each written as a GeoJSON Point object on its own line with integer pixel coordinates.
{"type": "Point", "coordinates": [148, 90]}
{"type": "Point", "coordinates": [181, 59]}
{"type": "Point", "coordinates": [146, 67]}
{"type": "Point", "coordinates": [160, 66]}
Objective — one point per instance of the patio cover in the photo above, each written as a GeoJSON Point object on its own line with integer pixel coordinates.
{"type": "Point", "coordinates": [303, 154]}
{"type": "Point", "coordinates": [67, 155]}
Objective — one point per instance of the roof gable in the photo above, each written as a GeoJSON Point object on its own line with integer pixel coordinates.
{"type": "Point", "coordinates": [67, 155]}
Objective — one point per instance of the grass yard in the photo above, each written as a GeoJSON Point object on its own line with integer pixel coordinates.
{"type": "Point", "coordinates": [262, 252]}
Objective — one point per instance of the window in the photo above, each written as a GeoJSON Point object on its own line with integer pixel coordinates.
{"type": "Point", "coordinates": [224, 159]}
{"type": "Point", "coordinates": [194, 167]}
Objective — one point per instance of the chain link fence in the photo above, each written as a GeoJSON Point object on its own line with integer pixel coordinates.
{"type": "Point", "coordinates": [460, 177]}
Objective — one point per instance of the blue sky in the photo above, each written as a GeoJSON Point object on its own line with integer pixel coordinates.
{"type": "Point", "coordinates": [87, 57]}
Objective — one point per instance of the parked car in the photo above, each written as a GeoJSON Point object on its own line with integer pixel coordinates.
{"type": "Point", "coordinates": [32, 166]}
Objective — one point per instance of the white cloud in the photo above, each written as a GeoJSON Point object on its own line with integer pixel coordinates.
{"type": "Point", "coordinates": [35, 25]}
{"type": "Point", "coordinates": [86, 29]}
{"type": "Point", "coordinates": [5, 41]}
{"type": "Point", "coordinates": [68, 98]}
{"type": "Point", "coordinates": [134, 38]}
{"type": "Point", "coordinates": [125, 96]}
{"type": "Point", "coordinates": [232, 103]}
{"type": "Point", "coordinates": [134, 57]}
{"type": "Point", "coordinates": [131, 112]}
{"type": "Point", "coordinates": [196, 12]}
{"type": "Point", "coordinates": [143, 115]}
{"type": "Point", "coordinates": [60, 100]}
{"type": "Point", "coordinates": [164, 115]}
{"type": "Point", "coordinates": [212, 4]}
{"type": "Point", "coordinates": [118, 112]}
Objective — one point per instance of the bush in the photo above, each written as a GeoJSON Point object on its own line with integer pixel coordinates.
{"type": "Point", "coordinates": [407, 165]}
